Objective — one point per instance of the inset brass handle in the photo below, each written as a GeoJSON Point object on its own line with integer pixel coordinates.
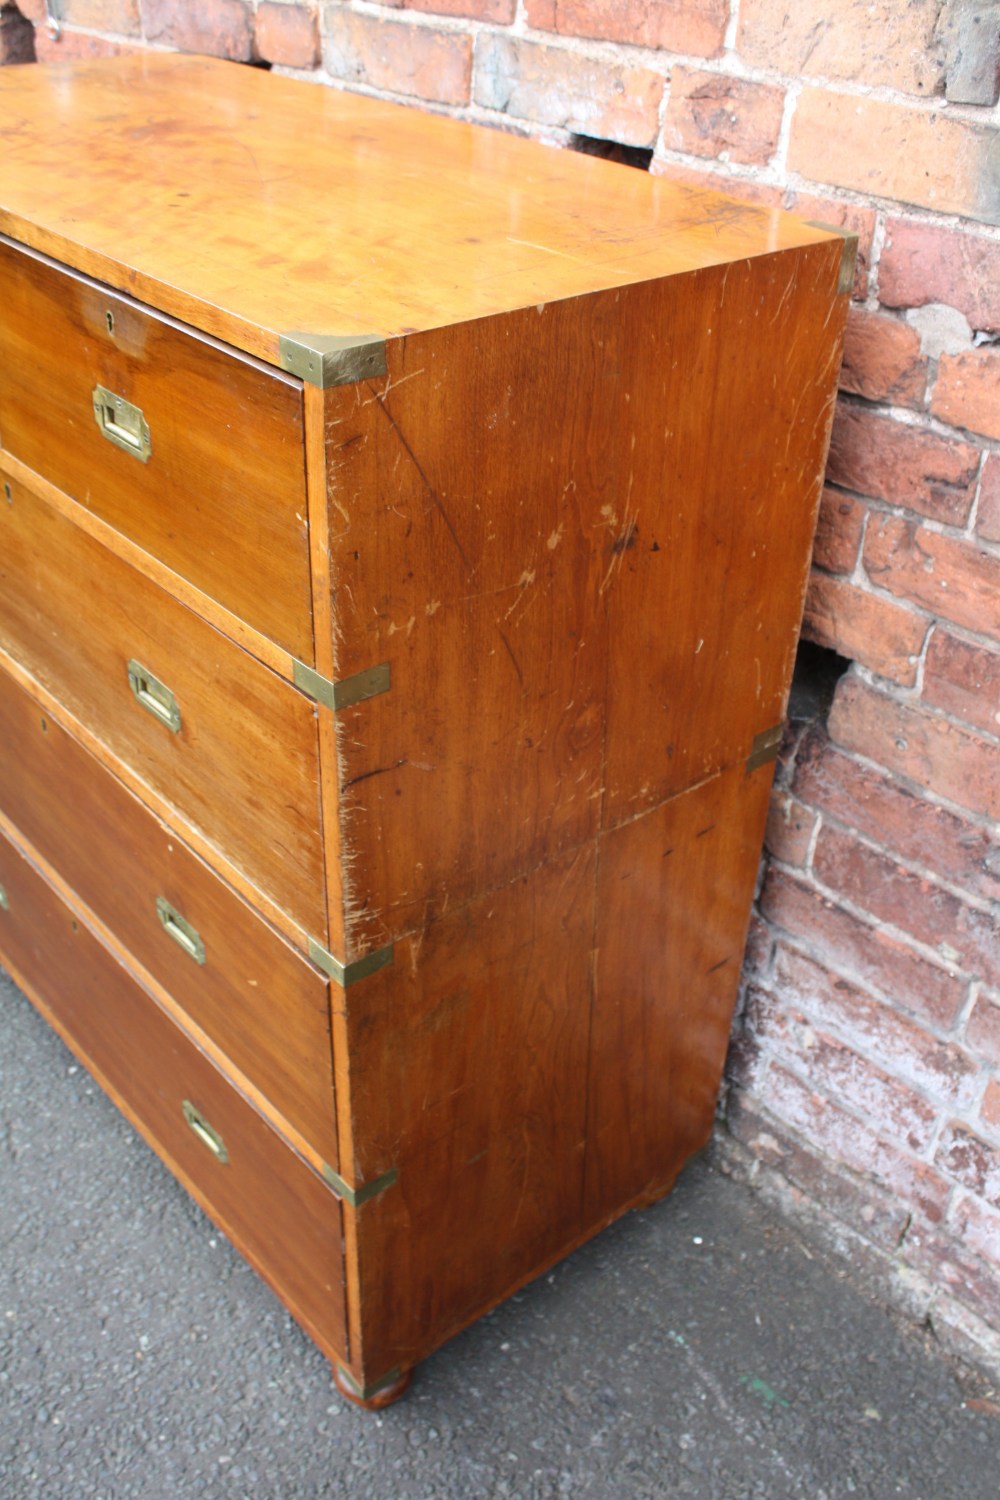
{"type": "Point", "coordinates": [154, 695]}
{"type": "Point", "coordinates": [4, 900]}
{"type": "Point", "coordinates": [205, 1132]}
{"type": "Point", "coordinates": [177, 927]}
{"type": "Point", "coordinates": [122, 423]}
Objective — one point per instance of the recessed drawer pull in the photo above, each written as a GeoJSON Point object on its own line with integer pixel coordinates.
{"type": "Point", "coordinates": [4, 900]}
{"type": "Point", "coordinates": [154, 695]}
{"type": "Point", "coordinates": [183, 934]}
{"type": "Point", "coordinates": [205, 1132]}
{"type": "Point", "coordinates": [122, 423]}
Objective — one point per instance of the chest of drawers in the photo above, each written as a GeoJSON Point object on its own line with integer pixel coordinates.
{"type": "Point", "coordinates": [403, 542]}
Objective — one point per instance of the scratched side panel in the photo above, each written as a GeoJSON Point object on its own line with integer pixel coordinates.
{"type": "Point", "coordinates": [553, 527]}
{"type": "Point", "coordinates": [674, 894]}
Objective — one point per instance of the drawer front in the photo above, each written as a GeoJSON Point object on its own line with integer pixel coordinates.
{"type": "Point", "coordinates": [254, 995]}
{"type": "Point", "coordinates": [275, 1209]}
{"type": "Point", "coordinates": [221, 738]}
{"type": "Point", "coordinates": [220, 497]}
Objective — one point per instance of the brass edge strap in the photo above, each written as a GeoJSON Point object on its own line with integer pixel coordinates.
{"type": "Point", "coordinates": [356, 1196]}
{"type": "Point", "coordinates": [848, 253]}
{"type": "Point", "coordinates": [366, 1392]}
{"type": "Point", "coordinates": [345, 974]}
{"type": "Point", "coordinates": [356, 689]}
{"type": "Point", "coordinates": [328, 360]}
{"type": "Point", "coordinates": [765, 747]}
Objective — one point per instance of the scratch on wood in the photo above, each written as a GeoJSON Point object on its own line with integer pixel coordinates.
{"type": "Point", "coordinates": [431, 491]}
{"type": "Point", "coordinates": [379, 771]}
{"type": "Point", "coordinates": [514, 660]}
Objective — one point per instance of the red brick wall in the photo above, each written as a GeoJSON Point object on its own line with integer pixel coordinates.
{"type": "Point", "coordinates": [865, 1085]}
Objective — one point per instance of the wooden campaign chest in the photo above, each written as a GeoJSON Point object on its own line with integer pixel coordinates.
{"type": "Point", "coordinates": [403, 541]}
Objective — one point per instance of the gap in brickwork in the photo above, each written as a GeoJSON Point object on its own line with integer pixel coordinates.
{"type": "Point", "coordinates": [629, 156]}
{"type": "Point", "coordinates": [818, 669]}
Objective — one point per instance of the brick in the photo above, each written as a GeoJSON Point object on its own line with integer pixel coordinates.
{"type": "Point", "coordinates": [839, 530]}
{"type": "Point", "coordinates": [964, 680]}
{"type": "Point", "coordinates": [695, 28]}
{"type": "Point", "coordinates": [902, 1046]}
{"type": "Point", "coordinates": [988, 515]}
{"type": "Point", "coordinates": [222, 28]}
{"type": "Point", "coordinates": [75, 45]}
{"type": "Point", "coordinates": [967, 391]}
{"type": "Point", "coordinates": [17, 36]}
{"type": "Point", "coordinates": [860, 951]}
{"type": "Point", "coordinates": [120, 16]}
{"type": "Point", "coordinates": [878, 456]}
{"type": "Point", "coordinates": [959, 1332]}
{"type": "Point", "coordinates": [978, 1227]}
{"type": "Point", "coordinates": [759, 946]}
{"type": "Point", "coordinates": [789, 830]}
{"type": "Point", "coordinates": [893, 151]}
{"type": "Point", "coordinates": [923, 263]}
{"type": "Point", "coordinates": [890, 814]}
{"type": "Point", "coordinates": [501, 12]}
{"type": "Point", "coordinates": [990, 1110]}
{"type": "Point", "coordinates": [852, 216]}
{"type": "Point", "coordinates": [864, 627]}
{"type": "Point", "coordinates": [882, 359]}
{"type": "Point", "coordinates": [935, 1254]}
{"type": "Point", "coordinates": [951, 576]}
{"type": "Point", "coordinates": [839, 1070]}
{"type": "Point", "coordinates": [397, 58]}
{"type": "Point", "coordinates": [970, 31]}
{"type": "Point", "coordinates": [866, 1208]}
{"type": "Point", "coordinates": [553, 86]}
{"type": "Point", "coordinates": [983, 1029]}
{"type": "Point", "coordinates": [288, 34]}
{"type": "Point", "coordinates": [709, 114]}
{"type": "Point", "coordinates": [971, 1161]}
{"type": "Point", "coordinates": [848, 1140]}
{"type": "Point", "coordinates": [928, 750]}
{"type": "Point", "coordinates": [964, 935]}
{"type": "Point", "coordinates": [874, 42]}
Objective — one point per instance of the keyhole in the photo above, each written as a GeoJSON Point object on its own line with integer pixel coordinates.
{"type": "Point", "coordinates": [109, 318]}
{"type": "Point", "coordinates": [7, 494]}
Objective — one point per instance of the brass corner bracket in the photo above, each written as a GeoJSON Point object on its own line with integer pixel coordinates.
{"type": "Point", "coordinates": [346, 974]}
{"type": "Point", "coordinates": [356, 1196]}
{"type": "Point", "coordinates": [848, 252]}
{"type": "Point", "coordinates": [329, 360]}
{"type": "Point", "coordinates": [765, 747]}
{"type": "Point", "coordinates": [350, 690]}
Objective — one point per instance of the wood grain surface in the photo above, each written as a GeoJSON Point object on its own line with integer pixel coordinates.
{"type": "Point", "coordinates": [583, 552]}
{"type": "Point", "coordinates": [277, 1211]}
{"type": "Point", "coordinates": [268, 206]}
{"type": "Point", "coordinates": [243, 767]}
{"type": "Point", "coordinates": [221, 499]}
{"type": "Point", "coordinates": [263, 1004]}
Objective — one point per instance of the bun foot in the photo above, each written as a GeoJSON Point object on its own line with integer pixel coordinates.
{"type": "Point", "coordinates": [373, 1397]}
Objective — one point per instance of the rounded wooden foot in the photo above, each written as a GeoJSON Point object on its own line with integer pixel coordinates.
{"type": "Point", "coordinates": [384, 1396]}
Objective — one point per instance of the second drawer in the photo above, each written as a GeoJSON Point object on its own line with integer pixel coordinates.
{"type": "Point", "coordinates": [250, 991]}
{"type": "Point", "coordinates": [217, 735]}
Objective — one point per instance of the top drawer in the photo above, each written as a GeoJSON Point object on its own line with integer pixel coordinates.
{"type": "Point", "coordinates": [220, 498]}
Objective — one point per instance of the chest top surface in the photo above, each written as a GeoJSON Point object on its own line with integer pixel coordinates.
{"type": "Point", "coordinates": [250, 205]}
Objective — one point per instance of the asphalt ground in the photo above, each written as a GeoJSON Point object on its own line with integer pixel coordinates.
{"type": "Point", "coordinates": [701, 1348]}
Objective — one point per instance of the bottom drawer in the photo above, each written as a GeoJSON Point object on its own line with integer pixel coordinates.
{"type": "Point", "coordinates": [277, 1212]}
